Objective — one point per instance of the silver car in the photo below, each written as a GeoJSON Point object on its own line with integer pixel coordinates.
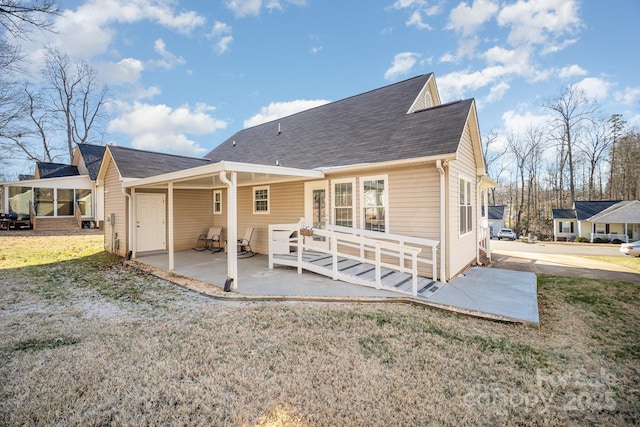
{"type": "Point", "coordinates": [507, 233]}
{"type": "Point", "coordinates": [632, 248]}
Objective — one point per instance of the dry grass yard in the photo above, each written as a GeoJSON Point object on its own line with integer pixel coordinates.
{"type": "Point", "coordinates": [87, 341]}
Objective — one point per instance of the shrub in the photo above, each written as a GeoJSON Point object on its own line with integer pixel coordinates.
{"type": "Point", "coordinates": [616, 241]}
{"type": "Point", "coordinates": [600, 240]}
{"type": "Point", "coordinates": [581, 239]}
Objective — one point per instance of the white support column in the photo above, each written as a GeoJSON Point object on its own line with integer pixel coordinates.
{"type": "Point", "coordinates": [232, 226]}
{"type": "Point", "coordinates": [133, 229]}
{"type": "Point", "coordinates": [170, 210]}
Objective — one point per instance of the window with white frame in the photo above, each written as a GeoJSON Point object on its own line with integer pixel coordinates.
{"type": "Point", "coordinates": [217, 201]}
{"type": "Point", "coordinates": [374, 202]}
{"type": "Point", "coordinates": [344, 202]}
{"type": "Point", "coordinates": [466, 206]}
{"type": "Point", "coordinates": [261, 200]}
{"type": "Point", "coordinates": [566, 226]}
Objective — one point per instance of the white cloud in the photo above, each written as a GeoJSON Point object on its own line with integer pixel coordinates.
{"type": "Point", "coordinates": [539, 22]}
{"type": "Point", "coordinates": [169, 60]}
{"type": "Point", "coordinates": [571, 71]}
{"type": "Point", "coordinates": [222, 33]}
{"type": "Point", "coordinates": [466, 20]}
{"type": "Point", "coordinates": [447, 57]}
{"type": "Point", "coordinates": [593, 88]}
{"type": "Point", "coordinates": [455, 85]}
{"type": "Point", "coordinates": [629, 96]}
{"type": "Point", "coordinates": [242, 8]}
{"type": "Point", "coordinates": [402, 64]}
{"type": "Point", "coordinates": [416, 20]}
{"type": "Point", "coordinates": [125, 71]}
{"type": "Point", "coordinates": [518, 123]}
{"type": "Point", "coordinates": [162, 128]}
{"type": "Point", "coordinates": [276, 110]}
{"type": "Point", "coordinates": [496, 93]}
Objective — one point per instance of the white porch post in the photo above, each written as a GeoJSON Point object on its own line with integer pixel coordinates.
{"type": "Point", "coordinates": [232, 226]}
{"type": "Point", "coordinates": [170, 209]}
{"type": "Point", "coordinates": [133, 203]}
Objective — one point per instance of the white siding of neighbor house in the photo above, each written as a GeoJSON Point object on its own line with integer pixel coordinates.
{"type": "Point", "coordinates": [115, 202]}
{"type": "Point", "coordinates": [461, 249]}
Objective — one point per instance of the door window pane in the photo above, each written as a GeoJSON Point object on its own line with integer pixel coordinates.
{"type": "Point", "coordinates": [65, 202]}
{"type": "Point", "coordinates": [43, 201]}
{"type": "Point", "coordinates": [85, 203]}
{"type": "Point", "coordinates": [374, 209]}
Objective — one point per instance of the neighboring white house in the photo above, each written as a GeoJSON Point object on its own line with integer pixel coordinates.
{"type": "Point", "coordinates": [496, 218]}
{"type": "Point", "coordinates": [605, 219]}
{"type": "Point", "coordinates": [60, 196]}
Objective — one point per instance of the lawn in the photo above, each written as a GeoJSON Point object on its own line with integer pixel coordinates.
{"type": "Point", "coordinates": [85, 340]}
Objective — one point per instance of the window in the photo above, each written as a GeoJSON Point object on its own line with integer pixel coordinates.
{"type": "Point", "coordinates": [19, 198]}
{"type": "Point", "coordinates": [65, 202]}
{"type": "Point", "coordinates": [84, 201]}
{"type": "Point", "coordinates": [466, 207]}
{"type": "Point", "coordinates": [217, 201]}
{"type": "Point", "coordinates": [566, 226]}
{"type": "Point", "coordinates": [374, 203]}
{"type": "Point", "coordinates": [261, 200]}
{"type": "Point", "coordinates": [43, 201]}
{"type": "Point", "coordinates": [343, 203]}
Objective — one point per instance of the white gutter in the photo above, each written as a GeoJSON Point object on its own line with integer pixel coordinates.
{"type": "Point", "coordinates": [232, 227]}
{"type": "Point", "coordinates": [443, 219]}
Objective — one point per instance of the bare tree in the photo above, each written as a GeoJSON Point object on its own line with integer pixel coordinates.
{"type": "Point", "coordinates": [76, 99]}
{"type": "Point", "coordinates": [617, 128]}
{"type": "Point", "coordinates": [594, 146]}
{"type": "Point", "coordinates": [19, 17]}
{"type": "Point", "coordinates": [493, 158]}
{"type": "Point", "coordinates": [572, 109]}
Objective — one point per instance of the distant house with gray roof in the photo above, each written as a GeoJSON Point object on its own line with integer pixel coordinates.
{"type": "Point", "coordinates": [605, 219]}
{"type": "Point", "coordinates": [58, 196]}
{"type": "Point", "coordinates": [390, 162]}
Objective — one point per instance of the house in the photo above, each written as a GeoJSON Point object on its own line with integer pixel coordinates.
{"type": "Point", "coordinates": [391, 163]}
{"type": "Point", "coordinates": [58, 196]}
{"type": "Point", "coordinates": [495, 218]}
{"type": "Point", "coordinates": [604, 219]}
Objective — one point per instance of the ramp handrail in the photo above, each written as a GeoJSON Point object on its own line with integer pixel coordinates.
{"type": "Point", "coordinates": [365, 246]}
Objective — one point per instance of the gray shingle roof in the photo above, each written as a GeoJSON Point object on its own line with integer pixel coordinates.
{"type": "Point", "coordinates": [587, 208]}
{"type": "Point", "coordinates": [134, 163]}
{"type": "Point", "coordinates": [563, 214]}
{"type": "Point", "coordinates": [92, 155]}
{"type": "Point", "coordinates": [56, 170]}
{"type": "Point", "coordinates": [496, 212]}
{"type": "Point", "coordinates": [367, 128]}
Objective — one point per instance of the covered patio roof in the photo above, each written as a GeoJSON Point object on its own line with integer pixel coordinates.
{"type": "Point", "coordinates": [229, 175]}
{"type": "Point", "coordinates": [208, 176]}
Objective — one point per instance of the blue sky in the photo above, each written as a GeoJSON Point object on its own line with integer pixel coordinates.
{"type": "Point", "coordinates": [186, 75]}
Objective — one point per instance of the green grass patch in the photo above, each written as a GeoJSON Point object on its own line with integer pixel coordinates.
{"type": "Point", "coordinates": [25, 251]}
{"type": "Point", "coordinates": [32, 345]}
{"type": "Point", "coordinates": [623, 261]}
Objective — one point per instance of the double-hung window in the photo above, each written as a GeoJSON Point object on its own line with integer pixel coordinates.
{"type": "Point", "coordinates": [466, 206]}
{"type": "Point", "coordinates": [217, 201]}
{"type": "Point", "coordinates": [261, 200]}
{"type": "Point", "coordinates": [374, 202]}
{"type": "Point", "coordinates": [344, 202]}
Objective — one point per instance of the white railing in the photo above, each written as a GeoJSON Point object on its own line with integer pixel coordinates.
{"type": "Point", "coordinates": [610, 236]}
{"type": "Point", "coordinates": [383, 250]}
{"type": "Point", "coordinates": [484, 241]}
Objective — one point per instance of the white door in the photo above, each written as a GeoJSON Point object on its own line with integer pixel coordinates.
{"type": "Point", "coordinates": [316, 211]}
{"type": "Point", "coordinates": [150, 222]}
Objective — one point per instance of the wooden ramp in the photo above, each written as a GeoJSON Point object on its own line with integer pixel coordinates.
{"type": "Point", "coordinates": [359, 273]}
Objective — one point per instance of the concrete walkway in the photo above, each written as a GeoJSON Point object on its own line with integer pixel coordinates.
{"type": "Point", "coordinates": [483, 292]}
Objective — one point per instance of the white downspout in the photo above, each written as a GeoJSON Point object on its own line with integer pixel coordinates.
{"type": "Point", "coordinates": [232, 227]}
{"type": "Point", "coordinates": [443, 219]}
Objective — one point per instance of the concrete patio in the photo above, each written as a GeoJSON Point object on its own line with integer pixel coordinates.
{"type": "Point", "coordinates": [484, 292]}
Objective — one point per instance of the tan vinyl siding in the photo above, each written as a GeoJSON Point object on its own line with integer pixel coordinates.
{"type": "Point", "coordinates": [193, 215]}
{"type": "Point", "coordinates": [286, 206]}
{"type": "Point", "coordinates": [115, 202]}
{"type": "Point", "coordinates": [462, 248]}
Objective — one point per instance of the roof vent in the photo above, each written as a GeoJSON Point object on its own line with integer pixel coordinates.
{"type": "Point", "coordinates": [234, 143]}
{"type": "Point", "coordinates": [279, 131]}
{"type": "Point", "coordinates": [277, 163]}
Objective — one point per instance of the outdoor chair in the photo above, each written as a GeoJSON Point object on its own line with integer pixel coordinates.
{"type": "Point", "coordinates": [244, 244]}
{"type": "Point", "coordinates": [210, 241]}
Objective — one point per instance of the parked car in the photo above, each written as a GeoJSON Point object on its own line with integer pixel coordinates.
{"type": "Point", "coordinates": [632, 248]}
{"type": "Point", "coordinates": [507, 233]}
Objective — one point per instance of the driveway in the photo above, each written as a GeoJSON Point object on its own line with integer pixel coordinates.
{"type": "Point", "coordinates": [559, 258]}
